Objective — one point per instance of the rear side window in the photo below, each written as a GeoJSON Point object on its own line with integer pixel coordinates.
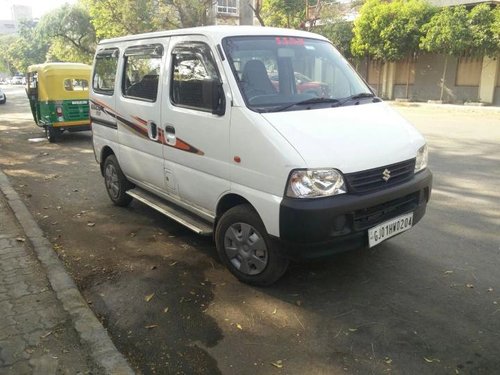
{"type": "Point", "coordinates": [106, 61]}
{"type": "Point", "coordinates": [193, 73]}
{"type": "Point", "coordinates": [76, 84]}
{"type": "Point", "coordinates": [142, 72]}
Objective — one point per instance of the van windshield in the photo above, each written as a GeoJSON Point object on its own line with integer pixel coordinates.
{"type": "Point", "coordinates": [277, 73]}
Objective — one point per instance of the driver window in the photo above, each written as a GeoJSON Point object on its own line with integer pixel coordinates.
{"type": "Point", "coordinates": [193, 73]}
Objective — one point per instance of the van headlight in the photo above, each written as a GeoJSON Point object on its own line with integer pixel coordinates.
{"type": "Point", "coordinates": [421, 160]}
{"type": "Point", "coordinates": [315, 183]}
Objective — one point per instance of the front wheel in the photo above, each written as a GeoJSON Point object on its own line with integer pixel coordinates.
{"type": "Point", "coordinates": [116, 182]}
{"type": "Point", "coordinates": [245, 248]}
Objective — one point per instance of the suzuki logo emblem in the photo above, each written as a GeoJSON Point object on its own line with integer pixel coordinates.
{"type": "Point", "coordinates": [386, 175]}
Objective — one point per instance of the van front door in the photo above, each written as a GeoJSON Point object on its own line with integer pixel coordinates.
{"type": "Point", "coordinates": [139, 114]}
{"type": "Point", "coordinates": [196, 141]}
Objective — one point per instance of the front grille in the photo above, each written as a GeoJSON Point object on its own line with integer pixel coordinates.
{"type": "Point", "coordinates": [372, 179]}
{"type": "Point", "coordinates": [368, 217]}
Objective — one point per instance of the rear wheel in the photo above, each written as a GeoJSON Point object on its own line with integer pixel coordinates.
{"type": "Point", "coordinates": [52, 133]}
{"type": "Point", "coordinates": [245, 248]}
{"type": "Point", "coordinates": [116, 182]}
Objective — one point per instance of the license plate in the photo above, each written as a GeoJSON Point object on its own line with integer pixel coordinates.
{"type": "Point", "coordinates": [389, 229]}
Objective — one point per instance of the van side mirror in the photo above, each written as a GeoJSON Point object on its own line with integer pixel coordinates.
{"type": "Point", "coordinates": [218, 98]}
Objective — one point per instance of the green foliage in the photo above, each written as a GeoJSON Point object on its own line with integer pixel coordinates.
{"type": "Point", "coordinates": [284, 13]}
{"type": "Point", "coordinates": [5, 63]}
{"type": "Point", "coordinates": [389, 30]}
{"type": "Point", "coordinates": [112, 18]}
{"type": "Point", "coordinates": [481, 23]}
{"type": "Point", "coordinates": [71, 34]}
{"type": "Point", "coordinates": [447, 32]}
{"type": "Point", "coordinates": [28, 49]}
{"type": "Point", "coordinates": [340, 34]}
{"type": "Point", "coordinates": [333, 26]}
{"type": "Point", "coordinates": [495, 27]}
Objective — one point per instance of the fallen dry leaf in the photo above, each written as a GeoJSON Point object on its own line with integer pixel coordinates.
{"type": "Point", "coordinates": [165, 310]}
{"type": "Point", "coordinates": [275, 311]}
{"type": "Point", "coordinates": [20, 239]}
{"type": "Point", "coordinates": [388, 360]}
{"type": "Point", "coordinates": [448, 272]}
{"type": "Point", "coordinates": [91, 224]}
{"type": "Point", "coordinates": [278, 364]}
{"type": "Point", "coordinates": [151, 326]}
{"type": "Point", "coordinates": [239, 326]}
{"type": "Point", "coordinates": [149, 297]}
{"type": "Point", "coordinates": [353, 329]}
{"type": "Point", "coordinates": [469, 286]}
{"type": "Point", "coordinates": [431, 360]}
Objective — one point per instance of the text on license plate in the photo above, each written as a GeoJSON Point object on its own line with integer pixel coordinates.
{"type": "Point", "coordinates": [389, 229]}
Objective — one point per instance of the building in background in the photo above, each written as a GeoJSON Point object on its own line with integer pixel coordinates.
{"type": "Point", "coordinates": [232, 12]}
{"type": "Point", "coordinates": [18, 14]}
{"type": "Point", "coordinates": [468, 79]}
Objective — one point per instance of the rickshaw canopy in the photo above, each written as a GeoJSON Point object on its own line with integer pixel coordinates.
{"type": "Point", "coordinates": [60, 81]}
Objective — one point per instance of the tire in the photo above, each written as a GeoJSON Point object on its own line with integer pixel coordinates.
{"type": "Point", "coordinates": [116, 183]}
{"type": "Point", "coordinates": [245, 248]}
{"type": "Point", "coordinates": [52, 134]}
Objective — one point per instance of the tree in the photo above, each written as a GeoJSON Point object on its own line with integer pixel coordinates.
{"type": "Point", "coordinates": [447, 33]}
{"type": "Point", "coordinates": [5, 62]}
{"type": "Point", "coordinates": [390, 31]}
{"type": "Point", "coordinates": [495, 26]}
{"type": "Point", "coordinates": [112, 18]}
{"type": "Point", "coordinates": [28, 49]}
{"type": "Point", "coordinates": [72, 35]}
{"type": "Point", "coordinates": [481, 22]}
{"type": "Point", "coordinates": [284, 13]}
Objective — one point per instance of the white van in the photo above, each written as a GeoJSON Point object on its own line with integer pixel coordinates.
{"type": "Point", "coordinates": [265, 138]}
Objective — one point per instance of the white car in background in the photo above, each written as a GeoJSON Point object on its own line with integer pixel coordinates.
{"type": "Point", "coordinates": [3, 97]}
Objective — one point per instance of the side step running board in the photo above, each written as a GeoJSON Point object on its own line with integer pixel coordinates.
{"type": "Point", "coordinates": [178, 214]}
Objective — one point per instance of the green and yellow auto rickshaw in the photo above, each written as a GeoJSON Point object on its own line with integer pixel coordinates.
{"type": "Point", "coordinates": [59, 97]}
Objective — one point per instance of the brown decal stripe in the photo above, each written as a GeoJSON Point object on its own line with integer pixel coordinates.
{"type": "Point", "coordinates": [179, 144]}
{"type": "Point", "coordinates": [143, 132]}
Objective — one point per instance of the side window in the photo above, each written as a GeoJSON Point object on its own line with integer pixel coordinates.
{"type": "Point", "coordinates": [105, 64]}
{"type": "Point", "coordinates": [76, 84]}
{"type": "Point", "coordinates": [194, 74]}
{"type": "Point", "coordinates": [141, 72]}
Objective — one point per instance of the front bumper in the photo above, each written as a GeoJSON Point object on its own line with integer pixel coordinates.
{"type": "Point", "coordinates": [313, 228]}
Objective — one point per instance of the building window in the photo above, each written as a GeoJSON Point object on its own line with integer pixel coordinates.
{"type": "Point", "coordinates": [229, 7]}
{"type": "Point", "coordinates": [469, 71]}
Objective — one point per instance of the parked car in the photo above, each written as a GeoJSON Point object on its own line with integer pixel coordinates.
{"type": "Point", "coordinates": [189, 122]}
{"type": "Point", "coordinates": [17, 80]}
{"type": "Point", "coordinates": [304, 85]}
{"type": "Point", "coordinates": [3, 97]}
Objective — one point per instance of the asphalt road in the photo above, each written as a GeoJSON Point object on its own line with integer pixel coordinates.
{"type": "Point", "coordinates": [425, 302]}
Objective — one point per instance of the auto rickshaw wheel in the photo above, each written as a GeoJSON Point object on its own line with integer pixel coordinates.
{"type": "Point", "coordinates": [52, 133]}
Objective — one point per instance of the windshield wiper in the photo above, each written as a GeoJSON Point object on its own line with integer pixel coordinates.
{"type": "Point", "coordinates": [315, 100]}
{"type": "Point", "coordinates": [361, 95]}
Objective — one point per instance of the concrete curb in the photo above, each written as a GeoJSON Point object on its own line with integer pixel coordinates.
{"type": "Point", "coordinates": [459, 107]}
{"type": "Point", "coordinates": [91, 332]}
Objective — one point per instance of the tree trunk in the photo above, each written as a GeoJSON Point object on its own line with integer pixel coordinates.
{"type": "Point", "coordinates": [408, 77]}
{"type": "Point", "coordinates": [444, 77]}
{"type": "Point", "coordinates": [379, 79]}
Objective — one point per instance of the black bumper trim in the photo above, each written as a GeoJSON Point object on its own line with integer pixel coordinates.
{"type": "Point", "coordinates": [311, 228]}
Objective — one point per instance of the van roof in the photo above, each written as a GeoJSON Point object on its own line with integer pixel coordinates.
{"type": "Point", "coordinates": [218, 32]}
